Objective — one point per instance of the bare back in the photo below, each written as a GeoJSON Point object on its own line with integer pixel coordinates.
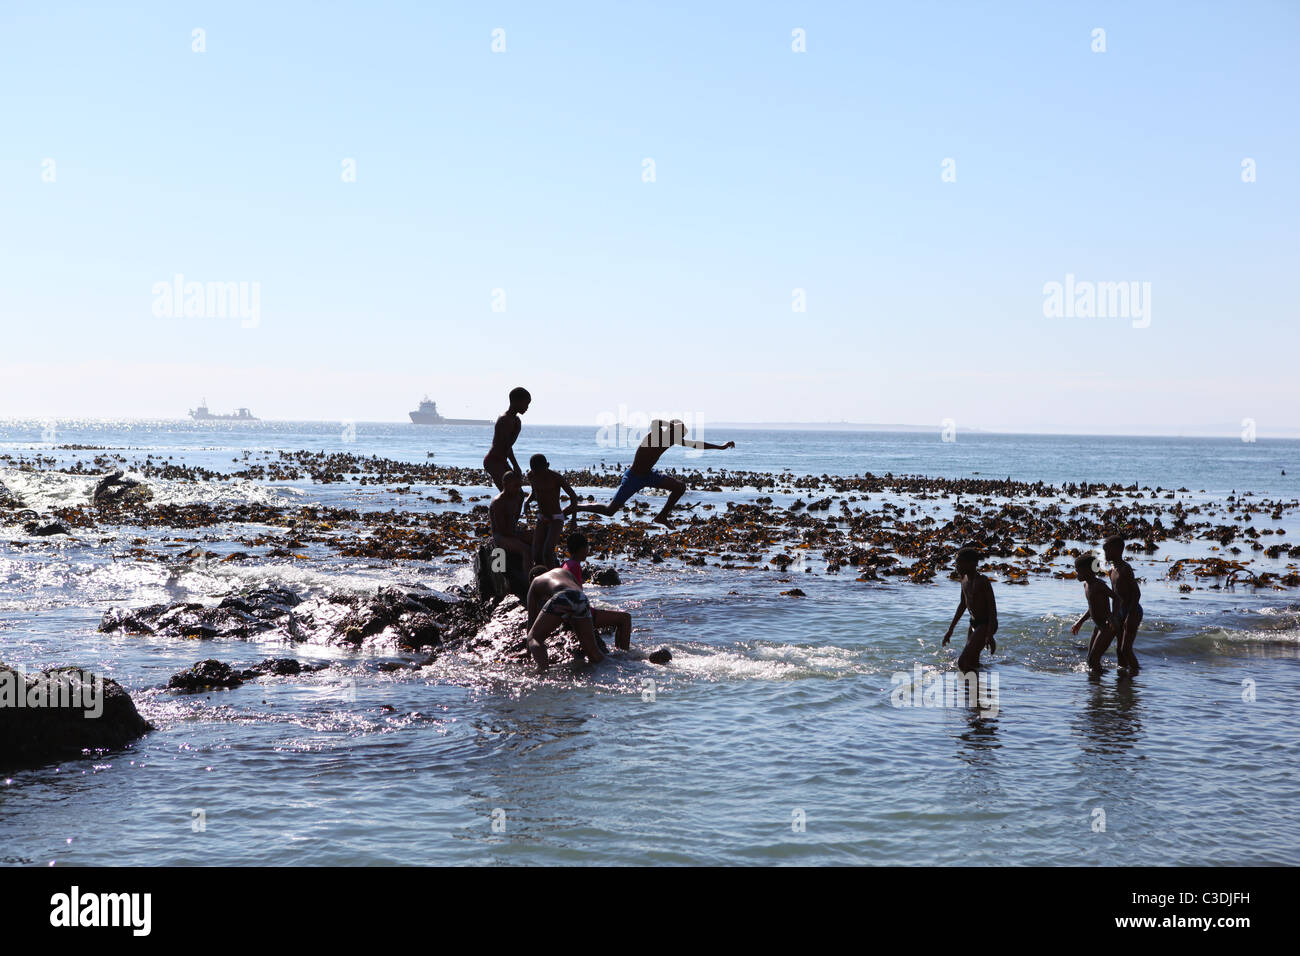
{"type": "Point", "coordinates": [504, 434]}
{"type": "Point", "coordinates": [978, 593]}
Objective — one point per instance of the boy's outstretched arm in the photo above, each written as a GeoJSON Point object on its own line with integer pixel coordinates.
{"type": "Point", "coordinates": [961, 609]}
{"type": "Point", "coordinates": [1079, 623]}
{"type": "Point", "coordinates": [706, 446]}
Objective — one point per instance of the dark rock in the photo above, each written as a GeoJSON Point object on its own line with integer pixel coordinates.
{"type": "Point", "coordinates": [114, 489]}
{"type": "Point", "coordinates": [405, 617]}
{"type": "Point", "coordinates": [605, 577]}
{"type": "Point", "coordinates": [661, 656]}
{"type": "Point", "coordinates": [495, 581]}
{"type": "Point", "coordinates": [65, 713]}
{"type": "Point", "coordinates": [206, 675]}
{"type": "Point", "coordinates": [45, 530]}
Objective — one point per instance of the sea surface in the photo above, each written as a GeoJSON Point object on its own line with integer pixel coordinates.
{"type": "Point", "coordinates": [774, 736]}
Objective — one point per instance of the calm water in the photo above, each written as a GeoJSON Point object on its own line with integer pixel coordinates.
{"type": "Point", "coordinates": [770, 739]}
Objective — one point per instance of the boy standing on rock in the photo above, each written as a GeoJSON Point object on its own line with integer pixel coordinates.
{"type": "Point", "coordinates": [502, 453]}
{"type": "Point", "coordinates": [546, 487]}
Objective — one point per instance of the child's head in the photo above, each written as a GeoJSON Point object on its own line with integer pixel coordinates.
{"type": "Point", "coordinates": [577, 544]}
{"type": "Point", "coordinates": [511, 481]}
{"type": "Point", "coordinates": [1085, 565]}
{"type": "Point", "coordinates": [1113, 547]}
{"type": "Point", "coordinates": [536, 570]}
{"type": "Point", "coordinates": [538, 463]}
{"type": "Point", "coordinates": [520, 400]}
{"type": "Point", "coordinates": [967, 561]}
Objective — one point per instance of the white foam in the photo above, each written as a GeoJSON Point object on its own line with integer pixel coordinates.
{"type": "Point", "coordinates": [766, 662]}
{"type": "Point", "coordinates": [45, 490]}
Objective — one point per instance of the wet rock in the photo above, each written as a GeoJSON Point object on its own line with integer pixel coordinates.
{"type": "Point", "coordinates": [45, 529]}
{"type": "Point", "coordinates": [209, 674]}
{"type": "Point", "coordinates": [499, 572]}
{"type": "Point", "coordinates": [661, 656]}
{"type": "Point", "coordinates": [282, 667]}
{"type": "Point", "coordinates": [206, 675]}
{"type": "Point", "coordinates": [243, 616]}
{"type": "Point", "coordinates": [65, 712]}
{"type": "Point", "coordinates": [605, 577]}
{"type": "Point", "coordinates": [114, 489]}
{"type": "Point", "coordinates": [402, 617]}
{"type": "Point", "coordinates": [793, 592]}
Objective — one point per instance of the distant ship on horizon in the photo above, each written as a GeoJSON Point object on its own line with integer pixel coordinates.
{"type": "Point", "coordinates": [201, 414]}
{"type": "Point", "coordinates": [427, 414]}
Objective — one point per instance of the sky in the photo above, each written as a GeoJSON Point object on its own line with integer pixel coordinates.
{"type": "Point", "coordinates": [914, 178]}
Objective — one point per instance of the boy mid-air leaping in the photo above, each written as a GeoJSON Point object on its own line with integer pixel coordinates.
{"type": "Point", "coordinates": [662, 436]}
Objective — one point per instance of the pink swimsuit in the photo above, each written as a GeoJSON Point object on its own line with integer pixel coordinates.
{"type": "Point", "coordinates": [574, 567]}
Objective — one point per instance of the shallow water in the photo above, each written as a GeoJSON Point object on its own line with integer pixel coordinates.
{"type": "Point", "coordinates": [771, 738]}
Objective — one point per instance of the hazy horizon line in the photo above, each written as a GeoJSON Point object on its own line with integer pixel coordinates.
{"type": "Point", "coordinates": [1224, 430]}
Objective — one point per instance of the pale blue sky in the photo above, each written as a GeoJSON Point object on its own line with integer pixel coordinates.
{"type": "Point", "coordinates": [775, 170]}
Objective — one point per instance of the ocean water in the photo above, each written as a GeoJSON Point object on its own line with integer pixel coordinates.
{"type": "Point", "coordinates": [773, 737]}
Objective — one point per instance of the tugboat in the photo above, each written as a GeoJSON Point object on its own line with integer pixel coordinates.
{"type": "Point", "coordinates": [201, 414]}
{"type": "Point", "coordinates": [427, 414]}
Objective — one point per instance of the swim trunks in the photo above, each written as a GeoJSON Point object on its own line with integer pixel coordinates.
{"type": "Point", "coordinates": [634, 483]}
{"type": "Point", "coordinates": [569, 604]}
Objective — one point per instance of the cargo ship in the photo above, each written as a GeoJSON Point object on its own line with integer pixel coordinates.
{"type": "Point", "coordinates": [427, 414]}
{"type": "Point", "coordinates": [201, 414]}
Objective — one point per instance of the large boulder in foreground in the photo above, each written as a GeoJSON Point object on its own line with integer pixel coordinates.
{"type": "Point", "coordinates": [62, 713]}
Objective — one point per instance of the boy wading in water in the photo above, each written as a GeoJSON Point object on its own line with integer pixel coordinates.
{"type": "Point", "coordinates": [662, 436]}
{"type": "Point", "coordinates": [1098, 595]}
{"type": "Point", "coordinates": [546, 487]}
{"type": "Point", "coordinates": [501, 456]}
{"type": "Point", "coordinates": [977, 596]}
{"type": "Point", "coordinates": [1127, 615]}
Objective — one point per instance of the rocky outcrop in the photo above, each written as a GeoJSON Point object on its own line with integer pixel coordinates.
{"type": "Point", "coordinates": [210, 674]}
{"type": "Point", "coordinates": [392, 618]}
{"type": "Point", "coordinates": [62, 713]}
{"type": "Point", "coordinates": [114, 489]}
{"type": "Point", "coordinates": [411, 618]}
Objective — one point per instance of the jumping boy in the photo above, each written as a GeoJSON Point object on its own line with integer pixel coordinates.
{"type": "Point", "coordinates": [1098, 595]}
{"type": "Point", "coordinates": [546, 487]}
{"type": "Point", "coordinates": [662, 436]}
{"type": "Point", "coordinates": [977, 595]}
{"type": "Point", "coordinates": [502, 453]}
{"type": "Point", "coordinates": [1127, 614]}
{"type": "Point", "coordinates": [504, 515]}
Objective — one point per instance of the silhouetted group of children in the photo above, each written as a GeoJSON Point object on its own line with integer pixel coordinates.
{"type": "Point", "coordinates": [1115, 608]}
{"type": "Point", "coordinates": [555, 594]}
